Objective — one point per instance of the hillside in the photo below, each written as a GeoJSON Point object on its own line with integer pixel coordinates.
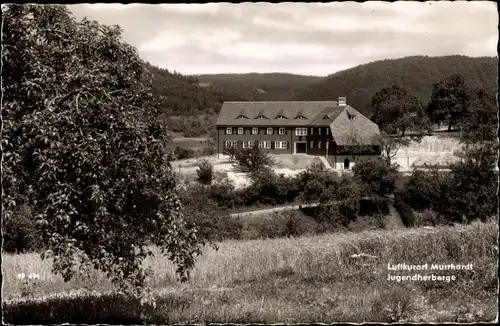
{"type": "Point", "coordinates": [258, 87]}
{"type": "Point", "coordinates": [181, 95]}
{"type": "Point", "coordinates": [418, 73]}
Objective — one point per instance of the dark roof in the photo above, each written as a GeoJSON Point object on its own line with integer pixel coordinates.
{"type": "Point", "coordinates": [345, 122]}
{"type": "Point", "coordinates": [231, 110]}
{"type": "Point", "coordinates": [331, 112]}
{"type": "Point", "coordinates": [348, 131]}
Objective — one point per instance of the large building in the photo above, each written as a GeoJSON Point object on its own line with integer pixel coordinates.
{"type": "Point", "coordinates": [331, 129]}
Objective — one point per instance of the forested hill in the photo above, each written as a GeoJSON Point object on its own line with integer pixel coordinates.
{"type": "Point", "coordinates": [259, 87]}
{"type": "Point", "coordinates": [182, 95]}
{"type": "Point", "coordinates": [417, 73]}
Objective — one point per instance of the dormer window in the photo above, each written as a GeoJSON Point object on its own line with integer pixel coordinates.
{"type": "Point", "coordinates": [281, 117]}
{"type": "Point", "coordinates": [261, 117]}
{"type": "Point", "coordinates": [326, 117]}
{"type": "Point", "coordinates": [242, 117]}
{"type": "Point", "coordinates": [300, 117]}
{"type": "Point", "coordinates": [351, 117]}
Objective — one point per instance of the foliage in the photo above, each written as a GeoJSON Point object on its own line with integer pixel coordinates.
{"type": "Point", "coordinates": [312, 184]}
{"type": "Point", "coordinates": [479, 122]}
{"type": "Point", "coordinates": [183, 153]}
{"type": "Point", "coordinates": [398, 111]}
{"type": "Point", "coordinates": [340, 203]}
{"type": "Point", "coordinates": [422, 189]}
{"type": "Point", "coordinates": [449, 100]}
{"type": "Point", "coordinates": [376, 177]}
{"type": "Point", "coordinates": [404, 210]}
{"type": "Point", "coordinates": [252, 160]}
{"type": "Point", "coordinates": [276, 86]}
{"type": "Point", "coordinates": [470, 192]}
{"type": "Point", "coordinates": [20, 232]}
{"type": "Point", "coordinates": [82, 144]}
{"type": "Point", "coordinates": [211, 221]}
{"type": "Point", "coordinates": [205, 172]}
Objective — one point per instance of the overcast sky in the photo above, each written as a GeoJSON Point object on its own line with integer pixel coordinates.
{"type": "Point", "coordinates": [302, 38]}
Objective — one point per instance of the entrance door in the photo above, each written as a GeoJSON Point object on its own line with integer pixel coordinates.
{"type": "Point", "coordinates": [346, 164]}
{"type": "Point", "coordinates": [300, 147]}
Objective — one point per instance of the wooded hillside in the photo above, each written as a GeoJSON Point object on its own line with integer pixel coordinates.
{"type": "Point", "coordinates": [259, 87]}
{"type": "Point", "coordinates": [417, 73]}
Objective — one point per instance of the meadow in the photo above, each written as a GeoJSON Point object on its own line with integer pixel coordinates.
{"type": "Point", "coordinates": [306, 279]}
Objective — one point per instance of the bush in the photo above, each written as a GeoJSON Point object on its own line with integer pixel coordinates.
{"type": "Point", "coordinates": [212, 222]}
{"type": "Point", "coordinates": [20, 233]}
{"type": "Point", "coordinates": [251, 160]}
{"type": "Point", "coordinates": [422, 189]}
{"type": "Point", "coordinates": [470, 191]}
{"type": "Point", "coordinates": [374, 206]}
{"type": "Point", "coordinates": [182, 153]}
{"type": "Point", "coordinates": [376, 177]}
{"type": "Point", "coordinates": [205, 172]}
{"type": "Point", "coordinates": [404, 210]}
{"type": "Point", "coordinates": [279, 224]}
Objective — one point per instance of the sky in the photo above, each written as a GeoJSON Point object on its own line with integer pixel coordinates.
{"type": "Point", "coordinates": [301, 38]}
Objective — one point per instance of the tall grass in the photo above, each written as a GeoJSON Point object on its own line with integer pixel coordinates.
{"type": "Point", "coordinates": [310, 279]}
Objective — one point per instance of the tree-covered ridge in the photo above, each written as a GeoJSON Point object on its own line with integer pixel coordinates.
{"type": "Point", "coordinates": [182, 95]}
{"type": "Point", "coordinates": [416, 73]}
{"type": "Point", "coordinates": [259, 87]}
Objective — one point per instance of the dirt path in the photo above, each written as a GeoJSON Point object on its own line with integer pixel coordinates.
{"type": "Point", "coordinates": [272, 210]}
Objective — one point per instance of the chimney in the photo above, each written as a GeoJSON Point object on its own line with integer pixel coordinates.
{"type": "Point", "coordinates": [342, 101]}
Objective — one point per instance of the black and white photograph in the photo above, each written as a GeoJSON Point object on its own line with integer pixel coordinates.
{"type": "Point", "coordinates": [249, 163]}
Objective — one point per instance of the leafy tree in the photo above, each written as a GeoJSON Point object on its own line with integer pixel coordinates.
{"type": "Point", "coordinates": [449, 100]}
{"type": "Point", "coordinates": [376, 177]}
{"type": "Point", "coordinates": [479, 122]}
{"type": "Point", "coordinates": [340, 203]}
{"type": "Point", "coordinates": [470, 192]}
{"type": "Point", "coordinates": [398, 111]}
{"type": "Point", "coordinates": [205, 172]}
{"type": "Point", "coordinates": [82, 145]}
{"type": "Point", "coordinates": [252, 160]}
{"type": "Point", "coordinates": [422, 189]}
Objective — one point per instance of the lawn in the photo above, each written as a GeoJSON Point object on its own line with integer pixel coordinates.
{"type": "Point", "coordinates": [305, 279]}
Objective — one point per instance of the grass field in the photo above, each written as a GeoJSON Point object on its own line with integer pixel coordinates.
{"type": "Point", "coordinates": [306, 279]}
{"type": "Point", "coordinates": [189, 143]}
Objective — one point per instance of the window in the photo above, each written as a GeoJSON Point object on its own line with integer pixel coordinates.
{"type": "Point", "coordinates": [240, 131]}
{"type": "Point", "coordinates": [282, 131]}
{"type": "Point", "coordinates": [261, 117]}
{"type": "Point", "coordinates": [319, 131]}
{"type": "Point", "coordinates": [248, 144]}
{"type": "Point", "coordinates": [300, 117]}
{"type": "Point", "coordinates": [255, 131]}
{"type": "Point", "coordinates": [326, 117]}
{"type": "Point", "coordinates": [269, 131]}
{"type": "Point", "coordinates": [231, 143]}
{"type": "Point", "coordinates": [327, 131]}
{"type": "Point", "coordinates": [312, 131]}
{"type": "Point", "coordinates": [311, 144]}
{"type": "Point", "coordinates": [281, 117]}
{"type": "Point", "coordinates": [319, 145]}
{"type": "Point", "coordinates": [264, 144]}
{"type": "Point", "coordinates": [242, 117]}
{"type": "Point", "coordinates": [281, 145]}
{"type": "Point", "coordinates": [300, 131]}
{"type": "Point", "coordinates": [229, 131]}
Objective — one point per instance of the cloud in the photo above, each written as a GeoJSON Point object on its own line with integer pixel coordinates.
{"type": "Point", "coordinates": [305, 38]}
